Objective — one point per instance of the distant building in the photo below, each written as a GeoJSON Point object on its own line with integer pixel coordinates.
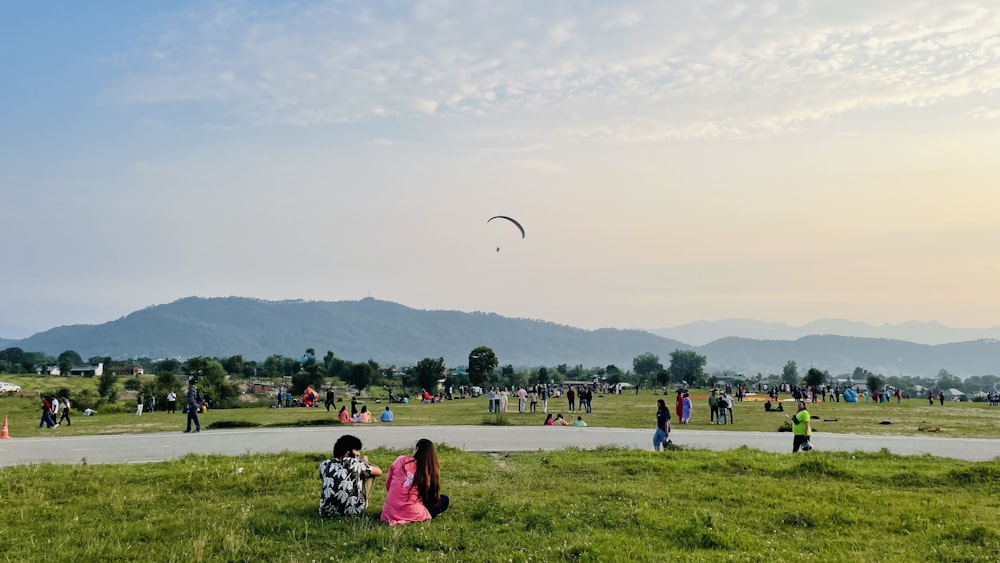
{"type": "Point", "coordinates": [50, 370]}
{"type": "Point", "coordinates": [88, 370]}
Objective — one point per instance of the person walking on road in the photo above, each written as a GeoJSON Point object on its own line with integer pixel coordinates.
{"type": "Point", "coordinates": [193, 404]}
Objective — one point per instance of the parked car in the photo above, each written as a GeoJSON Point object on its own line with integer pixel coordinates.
{"type": "Point", "coordinates": [9, 388]}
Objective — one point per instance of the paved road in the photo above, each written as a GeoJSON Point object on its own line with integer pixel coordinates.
{"type": "Point", "coordinates": [140, 448]}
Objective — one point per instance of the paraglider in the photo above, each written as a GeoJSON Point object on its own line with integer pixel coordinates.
{"type": "Point", "coordinates": [518, 225]}
{"type": "Point", "coordinates": [512, 220]}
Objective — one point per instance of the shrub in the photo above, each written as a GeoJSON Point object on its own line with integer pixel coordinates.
{"type": "Point", "coordinates": [496, 420]}
{"type": "Point", "coordinates": [233, 424]}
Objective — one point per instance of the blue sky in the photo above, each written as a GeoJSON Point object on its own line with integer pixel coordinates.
{"type": "Point", "coordinates": [671, 161]}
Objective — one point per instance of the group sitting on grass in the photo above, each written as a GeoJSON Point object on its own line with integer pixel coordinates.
{"type": "Point", "coordinates": [560, 421]}
{"type": "Point", "coordinates": [413, 485]}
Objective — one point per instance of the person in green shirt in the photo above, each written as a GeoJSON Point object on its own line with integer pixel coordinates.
{"type": "Point", "coordinates": [801, 427]}
{"type": "Point", "coordinates": [579, 422]}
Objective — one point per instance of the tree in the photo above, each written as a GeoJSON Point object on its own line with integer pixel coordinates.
{"type": "Point", "coordinates": [335, 367]}
{"type": "Point", "coordinates": [790, 373]}
{"type": "Point", "coordinates": [482, 362]}
{"type": "Point", "coordinates": [815, 378]}
{"type": "Point", "coordinates": [311, 374]}
{"type": "Point", "coordinates": [612, 369]}
{"type": "Point", "coordinates": [67, 360]}
{"type": "Point", "coordinates": [106, 386]}
{"type": "Point", "coordinates": [946, 380]}
{"type": "Point", "coordinates": [169, 365]}
{"type": "Point", "coordinates": [686, 365]}
{"type": "Point", "coordinates": [646, 365]}
{"type": "Point", "coordinates": [360, 375]}
{"type": "Point", "coordinates": [233, 364]}
{"type": "Point", "coordinates": [211, 377]}
{"type": "Point", "coordinates": [874, 382]}
{"type": "Point", "coordinates": [427, 373]}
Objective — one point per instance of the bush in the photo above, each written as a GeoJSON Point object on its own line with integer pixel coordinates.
{"type": "Point", "coordinates": [496, 420]}
{"type": "Point", "coordinates": [233, 424]}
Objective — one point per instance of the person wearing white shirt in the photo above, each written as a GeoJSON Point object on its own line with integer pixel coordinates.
{"type": "Point", "coordinates": [171, 402]}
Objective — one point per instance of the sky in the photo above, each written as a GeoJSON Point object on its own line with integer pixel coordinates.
{"type": "Point", "coordinates": [671, 161]}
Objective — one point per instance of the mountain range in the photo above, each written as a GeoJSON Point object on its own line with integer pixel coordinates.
{"type": "Point", "coordinates": [920, 332]}
{"type": "Point", "coordinates": [395, 334]}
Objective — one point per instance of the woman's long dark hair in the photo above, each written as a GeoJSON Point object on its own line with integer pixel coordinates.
{"type": "Point", "coordinates": [660, 405]}
{"type": "Point", "coordinates": [427, 477]}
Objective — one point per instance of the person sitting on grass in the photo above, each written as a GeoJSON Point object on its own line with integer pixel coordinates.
{"type": "Point", "coordinates": [387, 415]}
{"type": "Point", "coordinates": [560, 421]}
{"type": "Point", "coordinates": [579, 421]}
{"type": "Point", "coordinates": [364, 415]}
{"type": "Point", "coordinates": [343, 416]}
{"type": "Point", "coordinates": [412, 488]}
{"type": "Point", "coordinates": [548, 420]}
{"type": "Point", "coordinates": [347, 479]}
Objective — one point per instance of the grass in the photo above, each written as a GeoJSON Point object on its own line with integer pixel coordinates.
{"type": "Point", "coordinates": [973, 420]}
{"type": "Point", "coordinates": [571, 505]}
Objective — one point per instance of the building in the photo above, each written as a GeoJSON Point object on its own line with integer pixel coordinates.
{"type": "Point", "coordinates": [87, 370]}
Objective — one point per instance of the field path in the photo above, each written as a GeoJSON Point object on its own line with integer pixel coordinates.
{"type": "Point", "coordinates": [141, 448]}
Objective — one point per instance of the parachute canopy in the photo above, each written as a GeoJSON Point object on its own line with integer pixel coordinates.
{"type": "Point", "coordinates": [518, 225]}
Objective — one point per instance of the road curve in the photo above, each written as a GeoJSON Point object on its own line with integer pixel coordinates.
{"type": "Point", "coordinates": [143, 448]}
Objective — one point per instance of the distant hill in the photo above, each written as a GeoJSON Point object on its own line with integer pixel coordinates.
{"type": "Point", "coordinates": [355, 330]}
{"type": "Point", "coordinates": [396, 334]}
{"type": "Point", "coordinates": [703, 332]}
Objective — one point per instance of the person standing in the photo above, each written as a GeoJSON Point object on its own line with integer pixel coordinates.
{"type": "Point", "coordinates": [138, 404]}
{"type": "Point", "coordinates": [330, 400]}
{"type": "Point", "coordinates": [801, 427]}
{"type": "Point", "coordinates": [940, 397]}
{"type": "Point", "coordinates": [686, 419]}
{"type": "Point", "coordinates": [171, 402]}
{"type": "Point", "coordinates": [65, 412]}
{"type": "Point", "coordinates": [571, 397]}
{"type": "Point", "coordinates": [152, 402]}
{"type": "Point", "coordinates": [728, 404]}
{"type": "Point", "coordinates": [347, 479]}
{"type": "Point", "coordinates": [662, 435]}
{"type": "Point", "coordinates": [545, 399]}
{"type": "Point", "coordinates": [522, 396]}
{"type": "Point", "coordinates": [679, 406]}
{"type": "Point", "coordinates": [534, 400]}
{"type": "Point", "coordinates": [713, 407]}
{"type": "Point", "coordinates": [504, 399]}
{"type": "Point", "coordinates": [413, 487]}
{"type": "Point", "coordinates": [193, 404]}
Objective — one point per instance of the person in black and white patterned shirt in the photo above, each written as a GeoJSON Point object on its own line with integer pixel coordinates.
{"type": "Point", "coordinates": [347, 479]}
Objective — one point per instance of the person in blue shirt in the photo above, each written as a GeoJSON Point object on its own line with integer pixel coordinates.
{"type": "Point", "coordinates": [387, 415]}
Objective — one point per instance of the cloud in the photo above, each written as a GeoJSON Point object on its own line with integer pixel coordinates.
{"type": "Point", "coordinates": [982, 112]}
{"type": "Point", "coordinates": [559, 71]}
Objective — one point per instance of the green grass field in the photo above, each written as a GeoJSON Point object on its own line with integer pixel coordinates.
{"type": "Point", "coordinates": [571, 505]}
{"type": "Point", "coordinates": [975, 420]}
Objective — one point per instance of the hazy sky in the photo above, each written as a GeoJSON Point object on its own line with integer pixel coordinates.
{"type": "Point", "coordinates": [670, 160]}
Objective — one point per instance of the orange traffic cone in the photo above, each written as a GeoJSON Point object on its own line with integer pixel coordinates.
{"type": "Point", "coordinates": [3, 433]}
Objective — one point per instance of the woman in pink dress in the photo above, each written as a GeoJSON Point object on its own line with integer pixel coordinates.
{"type": "Point", "coordinates": [412, 487]}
